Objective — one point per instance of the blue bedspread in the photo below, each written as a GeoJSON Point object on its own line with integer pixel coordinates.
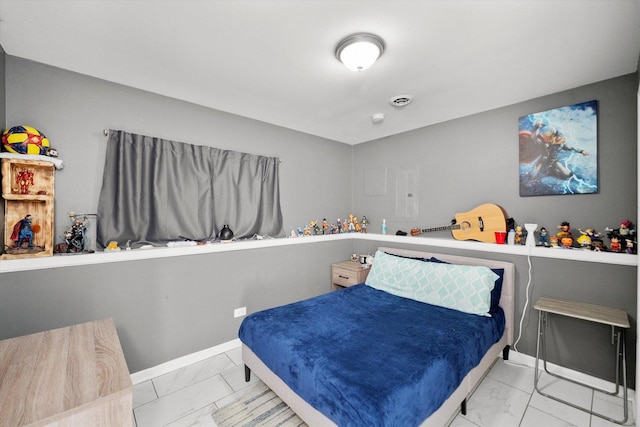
{"type": "Point", "coordinates": [364, 357]}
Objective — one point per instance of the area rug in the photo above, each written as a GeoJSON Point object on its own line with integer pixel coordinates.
{"type": "Point", "coordinates": [259, 406]}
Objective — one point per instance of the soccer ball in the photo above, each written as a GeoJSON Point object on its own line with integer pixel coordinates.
{"type": "Point", "coordinates": [25, 140]}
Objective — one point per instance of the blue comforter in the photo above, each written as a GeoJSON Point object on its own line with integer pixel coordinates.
{"type": "Point", "coordinates": [364, 357]}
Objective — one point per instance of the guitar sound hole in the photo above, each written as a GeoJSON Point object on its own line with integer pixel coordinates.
{"type": "Point", "coordinates": [465, 226]}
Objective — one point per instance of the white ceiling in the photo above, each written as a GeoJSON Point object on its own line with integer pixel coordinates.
{"type": "Point", "coordinates": [274, 60]}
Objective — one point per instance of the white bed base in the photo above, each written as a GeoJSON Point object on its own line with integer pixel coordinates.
{"type": "Point", "coordinates": [450, 408]}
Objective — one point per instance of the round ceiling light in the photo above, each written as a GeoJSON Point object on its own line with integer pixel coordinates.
{"type": "Point", "coordinates": [359, 51]}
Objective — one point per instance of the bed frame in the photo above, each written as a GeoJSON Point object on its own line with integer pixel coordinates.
{"type": "Point", "coordinates": [457, 401]}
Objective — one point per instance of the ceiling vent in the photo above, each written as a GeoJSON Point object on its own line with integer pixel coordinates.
{"type": "Point", "coordinates": [400, 100]}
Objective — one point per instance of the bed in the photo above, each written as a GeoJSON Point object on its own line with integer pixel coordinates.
{"type": "Point", "coordinates": [372, 355]}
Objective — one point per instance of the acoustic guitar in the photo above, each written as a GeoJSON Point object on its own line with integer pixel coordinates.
{"type": "Point", "coordinates": [479, 224]}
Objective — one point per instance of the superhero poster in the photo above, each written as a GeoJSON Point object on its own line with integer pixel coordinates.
{"type": "Point", "coordinates": [559, 151]}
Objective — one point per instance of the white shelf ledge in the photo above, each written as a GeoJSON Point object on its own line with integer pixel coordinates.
{"type": "Point", "coordinates": [56, 261]}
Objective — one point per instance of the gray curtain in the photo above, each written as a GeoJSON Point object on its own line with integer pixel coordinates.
{"type": "Point", "coordinates": [155, 191]}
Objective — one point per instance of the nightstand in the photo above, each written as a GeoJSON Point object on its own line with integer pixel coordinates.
{"type": "Point", "coordinates": [347, 273]}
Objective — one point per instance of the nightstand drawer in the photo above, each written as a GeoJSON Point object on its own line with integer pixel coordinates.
{"type": "Point", "coordinates": [344, 278]}
{"type": "Point", "coordinates": [347, 273]}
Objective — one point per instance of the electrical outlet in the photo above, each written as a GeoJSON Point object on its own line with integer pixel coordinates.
{"type": "Point", "coordinates": [239, 312]}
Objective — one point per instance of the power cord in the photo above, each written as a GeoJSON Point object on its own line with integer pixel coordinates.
{"type": "Point", "coordinates": [526, 304]}
{"type": "Point", "coordinates": [524, 312]}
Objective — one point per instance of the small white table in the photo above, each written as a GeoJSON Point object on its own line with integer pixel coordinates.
{"type": "Point", "coordinates": [616, 318]}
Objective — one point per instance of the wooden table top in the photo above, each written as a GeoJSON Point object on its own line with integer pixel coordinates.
{"type": "Point", "coordinates": [49, 373]}
{"type": "Point", "coordinates": [580, 310]}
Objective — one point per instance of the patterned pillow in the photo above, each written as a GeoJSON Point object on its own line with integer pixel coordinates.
{"type": "Point", "coordinates": [496, 292]}
{"type": "Point", "coordinates": [464, 288]}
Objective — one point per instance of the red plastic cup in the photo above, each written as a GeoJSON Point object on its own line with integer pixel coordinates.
{"type": "Point", "coordinates": [501, 236]}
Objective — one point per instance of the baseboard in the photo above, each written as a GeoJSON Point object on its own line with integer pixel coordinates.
{"type": "Point", "coordinates": [530, 362]}
{"type": "Point", "coordinates": [514, 357]}
{"type": "Point", "coordinates": [181, 362]}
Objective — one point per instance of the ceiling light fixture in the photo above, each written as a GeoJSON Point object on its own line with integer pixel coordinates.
{"type": "Point", "coordinates": [359, 51]}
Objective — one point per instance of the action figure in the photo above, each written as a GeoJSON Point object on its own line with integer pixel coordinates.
{"type": "Point", "coordinates": [620, 236]}
{"type": "Point", "coordinates": [544, 237]}
{"type": "Point", "coordinates": [74, 235]}
{"type": "Point", "coordinates": [564, 235]}
{"type": "Point", "coordinates": [24, 179]}
{"type": "Point", "coordinates": [364, 223]}
{"type": "Point", "coordinates": [22, 232]}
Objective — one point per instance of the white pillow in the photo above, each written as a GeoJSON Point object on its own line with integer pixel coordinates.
{"type": "Point", "coordinates": [464, 288]}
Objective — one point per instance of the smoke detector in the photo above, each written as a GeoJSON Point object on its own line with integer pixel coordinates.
{"type": "Point", "coordinates": [377, 118]}
{"type": "Point", "coordinates": [401, 100]}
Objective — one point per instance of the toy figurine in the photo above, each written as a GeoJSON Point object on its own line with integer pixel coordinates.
{"type": "Point", "coordinates": [597, 245]}
{"type": "Point", "coordinates": [352, 227]}
{"type": "Point", "coordinates": [74, 235]}
{"type": "Point", "coordinates": [630, 246]}
{"type": "Point", "coordinates": [356, 225]}
{"type": "Point", "coordinates": [587, 238]}
{"type": "Point", "coordinates": [364, 223]}
{"type": "Point", "coordinates": [333, 228]}
{"type": "Point", "coordinates": [564, 235]}
{"type": "Point", "coordinates": [553, 241]}
{"type": "Point", "coordinates": [615, 243]}
{"type": "Point", "coordinates": [112, 246]}
{"type": "Point", "coordinates": [22, 232]}
{"type": "Point", "coordinates": [626, 228]}
{"type": "Point", "coordinates": [325, 226]}
{"type": "Point", "coordinates": [24, 179]}
{"type": "Point", "coordinates": [590, 232]}
{"type": "Point", "coordinates": [518, 239]}
{"type": "Point", "coordinates": [584, 241]}
{"type": "Point", "coordinates": [313, 226]}
{"type": "Point", "coordinates": [543, 237]}
{"type": "Point", "coordinates": [620, 236]}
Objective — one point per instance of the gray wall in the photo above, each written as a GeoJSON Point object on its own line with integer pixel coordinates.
{"type": "Point", "coordinates": [463, 163]}
{"type": "Point", "coordinates": [150, 300]}
{"type": "Point", "coordinates": [172, 307]}
{"type": "Point", "coordinates": [73, 109]}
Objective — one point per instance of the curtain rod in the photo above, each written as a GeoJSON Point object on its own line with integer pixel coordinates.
{"type": "Point", "coordinates": [106, 133]}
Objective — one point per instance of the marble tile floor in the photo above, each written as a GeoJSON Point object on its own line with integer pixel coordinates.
{"type": "Point", "coordinates": [505, 398]}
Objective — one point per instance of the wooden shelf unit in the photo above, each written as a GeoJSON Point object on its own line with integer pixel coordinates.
{"type": "Point", "coordinates": [37, 202]}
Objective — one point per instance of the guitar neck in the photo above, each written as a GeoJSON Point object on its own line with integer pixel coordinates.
{"type": "Point", "coordinates": [445, 228]}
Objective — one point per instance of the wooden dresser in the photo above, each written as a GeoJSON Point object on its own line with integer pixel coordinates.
{"type": "Point", "coordinates": [74, 376]}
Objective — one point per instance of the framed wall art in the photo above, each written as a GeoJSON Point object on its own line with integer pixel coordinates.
{"type": "Point", "coordinates": [559, 151]}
